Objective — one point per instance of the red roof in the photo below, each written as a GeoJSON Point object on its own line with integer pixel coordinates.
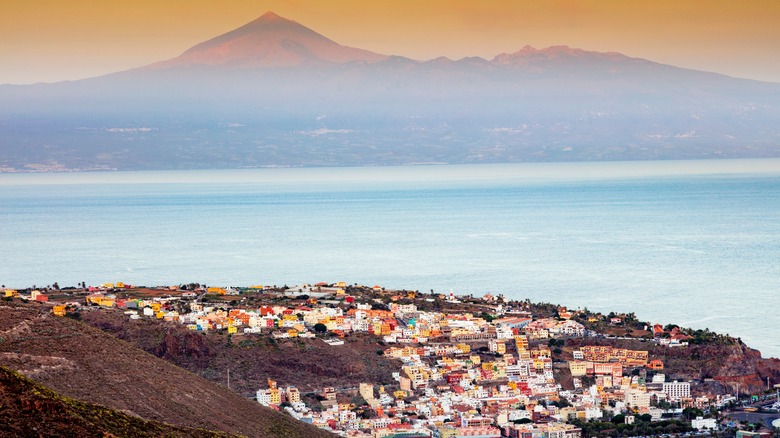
{"type": "Point", "coordinates": [398, 426]}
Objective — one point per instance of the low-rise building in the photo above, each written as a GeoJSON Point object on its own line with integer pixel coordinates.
{"type": "Point", "coordinates": [701, 423]}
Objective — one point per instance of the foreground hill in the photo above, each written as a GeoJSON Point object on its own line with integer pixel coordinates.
{"type": "Point", "coordinates": [87, 364]}
{"type": "Point", "coordinates": [30, 409]}
{"type": "Point", "coordinates": [275, 93]}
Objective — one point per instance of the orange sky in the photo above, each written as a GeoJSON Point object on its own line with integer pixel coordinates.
{"type": "Point", "coordinates": [51, 40]}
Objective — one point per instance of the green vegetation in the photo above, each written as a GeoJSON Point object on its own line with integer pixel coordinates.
{"type": "Point", "coordinates": [641, 427]}
{"type": "Point", "coordinates": [707, 337]}
{"type": "Point", "coordinates": [487, 317]}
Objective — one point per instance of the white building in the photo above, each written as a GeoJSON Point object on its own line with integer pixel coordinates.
{"type": "Point", "coordinates": [677, 390]}
{"type": "Point", "coordinates": [701, 423]}
{"type": "Point", "coordinates": [504, 332]}
{"type": "Point", "coordinates": [263, 397]}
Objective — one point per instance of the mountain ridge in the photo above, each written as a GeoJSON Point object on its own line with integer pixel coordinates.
{"type": "Point", "coordinates": [274, 93]}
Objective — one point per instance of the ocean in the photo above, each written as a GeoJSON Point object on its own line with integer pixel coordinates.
{"type": "Point", "coordinates": [696, 243]}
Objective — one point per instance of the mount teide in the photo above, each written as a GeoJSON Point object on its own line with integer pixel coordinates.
{"type": "Point", "coordinates": [275, 93]}
{"type": "Point", "coordinates": [269, 41]}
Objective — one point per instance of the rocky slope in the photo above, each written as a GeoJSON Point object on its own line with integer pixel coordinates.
{"type": "Point", "coordinates": [308, 364]}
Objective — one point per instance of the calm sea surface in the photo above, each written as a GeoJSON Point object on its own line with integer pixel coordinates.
{"type": "Point", "coordinates": [693, 243]}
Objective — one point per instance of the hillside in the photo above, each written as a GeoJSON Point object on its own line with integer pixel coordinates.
{"type": "Point", "coordinates": [30, 409]}
{"type": "Point", "coordinates": [87, 364]}
{"type": "Point", "coordinates": [308, 364]}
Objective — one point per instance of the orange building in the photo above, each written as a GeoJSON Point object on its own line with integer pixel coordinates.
{"type": "Point", "coordinates": [656, 364]}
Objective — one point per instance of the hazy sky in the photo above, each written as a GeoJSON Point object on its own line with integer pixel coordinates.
{"type": "Point", "coordinates": [51, 40]}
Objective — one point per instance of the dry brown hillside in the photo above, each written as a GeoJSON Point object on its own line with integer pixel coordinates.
{"type": "Point", "coordinates": [87, 364]}
{"type": "Point", "coordinates": [308, 364]}
{"type": "Point", "coordinates": [28, 409]}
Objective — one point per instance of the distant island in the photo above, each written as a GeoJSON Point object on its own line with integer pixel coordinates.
{"type": "Point", "coordinates": [341, 357]}
{"type": "Point", "coordinates": [274, 93]}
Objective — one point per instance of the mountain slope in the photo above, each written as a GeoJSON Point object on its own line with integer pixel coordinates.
{"type": "Point", "coordinates": [86, 364]}
{"type": "Point", "coordinates": [30, 409]}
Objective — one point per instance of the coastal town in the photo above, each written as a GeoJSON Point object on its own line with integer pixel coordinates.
{"type": "Point", "coordinates": [467, 366]}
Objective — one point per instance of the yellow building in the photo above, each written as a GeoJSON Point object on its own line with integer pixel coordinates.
{"type": "Point", "coordinates": [59, 310]}
{"type": "Point", "coordinates": [275, 396]}
{"type": "Point", "coordinates": [101, 300]}
{"type": "Point", "coordinates": [578, 368]}
{"type": "Point", "coordinates": [447, 432]}
{"type": "Point", "coordinates": [293, 395]}
{"type": "Point", "coordinates": [366, 391]}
